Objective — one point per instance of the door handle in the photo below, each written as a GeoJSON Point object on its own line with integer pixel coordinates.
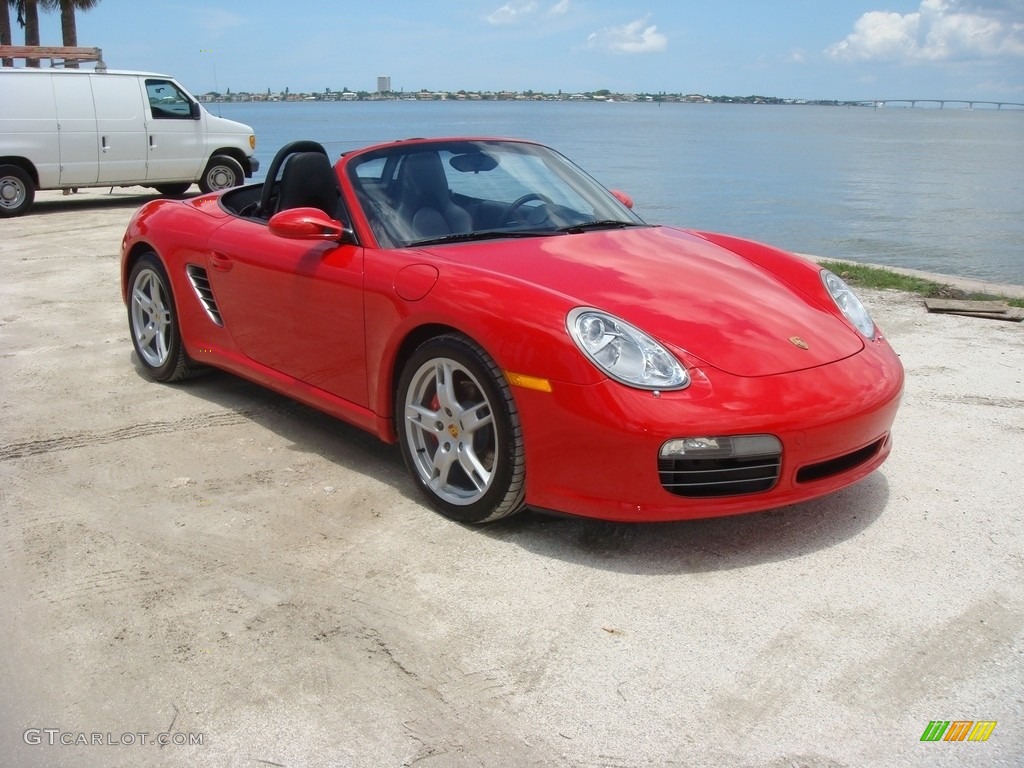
{"type": "Point", "coordinates": [220, 262]}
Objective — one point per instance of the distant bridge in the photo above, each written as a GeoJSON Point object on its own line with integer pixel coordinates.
{"type": "Point", "coordinates": [943, 102]}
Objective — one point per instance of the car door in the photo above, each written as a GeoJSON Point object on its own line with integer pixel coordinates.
{"type": "Point", "coordinates": [293, 306]}
{"type": "Point", "coordinates": [176, 140]}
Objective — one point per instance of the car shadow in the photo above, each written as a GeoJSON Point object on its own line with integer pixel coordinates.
{"type": "Point", "coordinates": [702, 546]}
{"type": "Point", "coordinates": [307, 430]}
{"type": "Point", "coordinates": [696, 546]}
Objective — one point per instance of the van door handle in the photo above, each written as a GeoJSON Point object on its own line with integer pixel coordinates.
{"type": "Point", "coordinates": [103, 142]}
{"type": "Point", "coordinates": [220, 262]}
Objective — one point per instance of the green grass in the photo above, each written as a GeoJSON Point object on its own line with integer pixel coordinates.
{"type": "Point", "coordinates": [875, 277]}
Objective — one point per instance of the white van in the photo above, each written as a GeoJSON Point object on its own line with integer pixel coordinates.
{"type": "Point", "coordinates": [67, 128]}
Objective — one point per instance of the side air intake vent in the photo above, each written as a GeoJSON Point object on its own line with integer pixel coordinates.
{"type": "Point", "coordinates": [201, 285]}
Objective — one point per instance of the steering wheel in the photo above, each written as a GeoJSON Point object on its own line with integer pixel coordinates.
{"type": "Point", "coordinates": [519, 202]}
{"type": "Point", "coordinates": [267, 193]}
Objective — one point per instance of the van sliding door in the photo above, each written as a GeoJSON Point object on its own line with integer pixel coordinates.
{"type": "Point", "coordinates": [121, 129]}
{"type": "Point", "coordinates": [76, 130]}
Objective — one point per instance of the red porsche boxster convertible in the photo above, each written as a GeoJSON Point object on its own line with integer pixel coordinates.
{"type": "Point", "coordinates": [519, 331]}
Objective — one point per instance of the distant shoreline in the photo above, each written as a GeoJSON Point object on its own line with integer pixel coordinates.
{"type": "Point", "coordinates": [597, 97]}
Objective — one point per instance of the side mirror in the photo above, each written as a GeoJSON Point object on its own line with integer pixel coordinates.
{"type": "Point", "coordinates": [194, 110]}
{"type": "Point", "coordinates": [623, 198]}
{"type": "Point", "coordinates": [308, 224]}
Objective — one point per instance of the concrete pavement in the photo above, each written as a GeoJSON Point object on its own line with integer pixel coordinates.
{"type": "Point", "coordinates": [213, 566]}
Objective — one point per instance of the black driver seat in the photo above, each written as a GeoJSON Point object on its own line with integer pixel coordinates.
{"type": "Point", "coordinates": [425, 207]}
{"type": "Point", "coordinates": [309, 181]}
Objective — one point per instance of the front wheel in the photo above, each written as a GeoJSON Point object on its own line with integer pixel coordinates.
{"type": "Point", "coordinates": [222, 172]}
{"type": "Point", "coordinates": [16, 191]}
{"type": "Point", "coordinates": [153, 322]}
{"type": "Point", "coordinates": [459, 431]}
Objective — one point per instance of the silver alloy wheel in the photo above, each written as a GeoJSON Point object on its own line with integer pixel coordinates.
{"type": "Point", "coordinates": [151, 318]}
{"type": "Point", "coordinates": [450, 427]}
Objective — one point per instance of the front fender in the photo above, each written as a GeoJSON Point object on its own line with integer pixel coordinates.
{"type": "Point", "coordinates": [478, 305]}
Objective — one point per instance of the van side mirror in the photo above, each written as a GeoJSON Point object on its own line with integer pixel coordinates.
{"type": "Point", "coordinates": [194, 110]}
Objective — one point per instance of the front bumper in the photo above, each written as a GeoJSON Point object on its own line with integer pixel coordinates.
{"type": "Point", "coordinates": [592, 450]}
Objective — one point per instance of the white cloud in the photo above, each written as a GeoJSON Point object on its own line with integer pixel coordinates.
{"type": "Point", "coordinates": [518, 11]}
{"type": "Point", "coordinates": [560, 8]}
{"type": "Point", "coordinates": [635, 37]}
{"type": "Point", "coordinates": [879, 35]}
{"type": "Point", "coordinates": [512, 12]}
{"type": "Point", "coordinates": [939, 30]}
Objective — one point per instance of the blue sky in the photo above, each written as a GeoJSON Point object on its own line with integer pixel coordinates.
{"type": "Point", "coordinates": [815, 49]}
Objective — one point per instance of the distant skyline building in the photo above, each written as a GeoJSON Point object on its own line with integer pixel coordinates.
{"type": "Point", "coordinates": [384, 84]}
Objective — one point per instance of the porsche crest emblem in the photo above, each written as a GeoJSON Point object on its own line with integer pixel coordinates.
{"type": "Point", "coordinates": [796, 341]}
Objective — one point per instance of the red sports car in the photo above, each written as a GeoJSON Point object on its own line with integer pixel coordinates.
{"type": "Point", "coordinates": [524, 337]}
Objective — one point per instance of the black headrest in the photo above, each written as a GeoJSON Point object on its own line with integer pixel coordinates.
{"type": "Point", "coordinates": [309, 181]}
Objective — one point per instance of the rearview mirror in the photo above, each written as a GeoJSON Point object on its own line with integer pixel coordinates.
{"type": "Point", "coordinates": [307, 224]}
{"type": "Point", "coordinates": [473, 162]}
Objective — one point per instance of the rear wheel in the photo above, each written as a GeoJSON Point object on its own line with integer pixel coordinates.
{"type": "Point", "coordinates": [459, 431]}
{"type": "Point", "coordinates": [222, 172]}
{"type": "Point", "coordinates": [17, 191]}
{"type": "Point", "coordinates": [153, 322]}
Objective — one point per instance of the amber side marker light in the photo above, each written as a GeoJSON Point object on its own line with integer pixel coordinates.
{"type": "Point", "coordinates": [528, 382]}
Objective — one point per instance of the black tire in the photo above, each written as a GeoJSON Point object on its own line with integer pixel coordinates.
{"type": "Point", "coordinates": [459, 432]}
{"type": "Point", "coordinates": [153, 322]}
{"type": "Point", "coordinates": [173, 190]}
{"type": "Point", "coordinates": [222, 172]}
{"type": "Point", "coordinates": [17, 191]}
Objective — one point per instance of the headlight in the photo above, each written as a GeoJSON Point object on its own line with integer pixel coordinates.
{"type": "Point", "coordinates": [625, 353]}
{"type": "Point", "coordinates": [848, 303]}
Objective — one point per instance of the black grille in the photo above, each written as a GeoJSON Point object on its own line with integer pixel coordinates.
{"type": "Point", "coordinates": [701, 478]}
{"type": "Point", "coordinates": [201, 285]}
{"type": "Point", "coordinates": [831, 467]}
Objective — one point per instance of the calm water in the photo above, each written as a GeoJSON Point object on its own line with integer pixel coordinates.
{"type": "Point", "coordinates": [939, 190]}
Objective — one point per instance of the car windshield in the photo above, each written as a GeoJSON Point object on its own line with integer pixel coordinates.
{"type": "Point", "coordinates": [424, 193]}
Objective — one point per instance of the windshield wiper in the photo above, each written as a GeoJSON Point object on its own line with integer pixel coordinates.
{"type": "Point", "coordinates": [487, 234]}
{"type": "Point", "coordinates": [589, 226]}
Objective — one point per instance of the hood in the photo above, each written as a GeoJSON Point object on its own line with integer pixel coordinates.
{"type": "Point", "coordinates": [222, 126]}
{"type": "Point", "coordinates": [696, 297]}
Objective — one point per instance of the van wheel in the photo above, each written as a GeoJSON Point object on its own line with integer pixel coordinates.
{"type": "Point", "coordinates": [223, 172]}
{"type": "Point", "coordinates": [172, 190]}
{"type": "Point", "coordinates": [16, 191]}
